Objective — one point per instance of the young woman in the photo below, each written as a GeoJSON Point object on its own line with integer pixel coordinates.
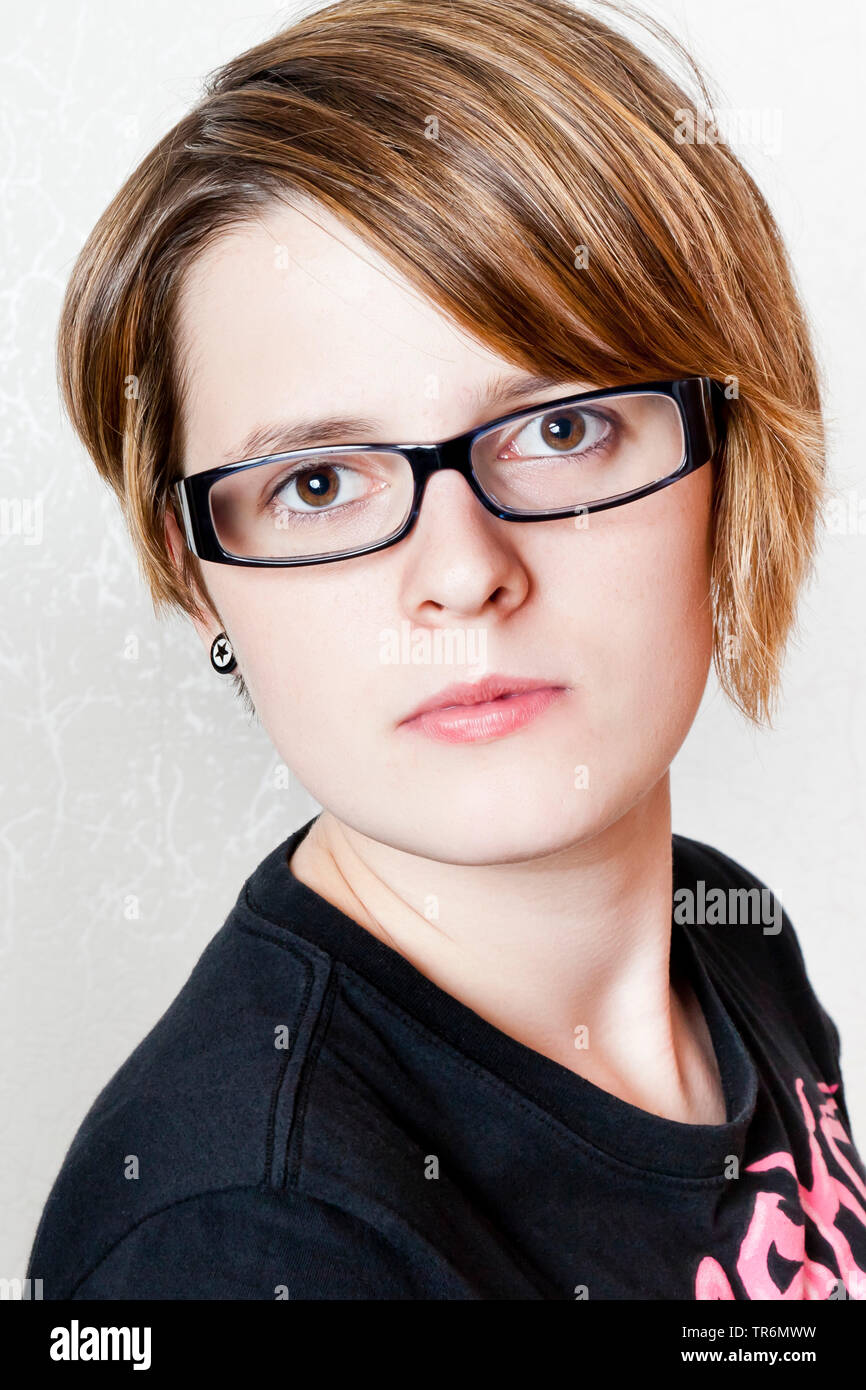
{"type": "Point", "coordinates": [462, 398]}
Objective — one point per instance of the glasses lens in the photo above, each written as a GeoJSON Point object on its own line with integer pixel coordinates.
{"type": "Point", "coordinates": [576, 454]}
{"type": "Point", "coordinates": [323, 504]}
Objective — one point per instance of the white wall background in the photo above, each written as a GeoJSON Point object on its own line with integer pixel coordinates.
{"type": "Point", "coordinates": [141, 776]}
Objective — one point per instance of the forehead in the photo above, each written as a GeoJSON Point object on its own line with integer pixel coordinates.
{"type": "Point", "coordinates": [295, 314]}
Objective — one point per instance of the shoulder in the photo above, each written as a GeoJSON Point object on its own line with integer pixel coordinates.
{"type": "Point", "coordinates": [247, 1243]}
{"type": "Point", "coordinates": [745, 934]}
{"type": "Point", "coordinates": [199, 1111]}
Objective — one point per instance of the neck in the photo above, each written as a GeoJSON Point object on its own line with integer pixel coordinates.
{"type": "Point", "coordinates": [568, 953]}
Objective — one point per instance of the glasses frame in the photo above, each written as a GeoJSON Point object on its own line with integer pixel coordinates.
{"type": "Point", "coordinates": [701, 401]}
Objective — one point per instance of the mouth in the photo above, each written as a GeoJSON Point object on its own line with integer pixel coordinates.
{"type": "Point", "coordinates": [489, 709]}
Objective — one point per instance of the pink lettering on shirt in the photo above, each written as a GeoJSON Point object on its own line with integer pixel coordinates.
{"type": "Point", "coordinates": [820, 1204]}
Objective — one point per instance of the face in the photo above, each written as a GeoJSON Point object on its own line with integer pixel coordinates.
{"type": "Point", "coordinates": [296, 317]}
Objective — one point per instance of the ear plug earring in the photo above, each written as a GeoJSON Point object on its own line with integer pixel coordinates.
{"type": "Point", "coordinates": [222, 658]}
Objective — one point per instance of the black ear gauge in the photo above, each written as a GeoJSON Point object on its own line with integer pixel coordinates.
{"type": "Point", "coordinates": [222, 658]}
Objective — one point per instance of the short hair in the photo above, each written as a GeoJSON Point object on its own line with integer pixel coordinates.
{"type": "Point", "coordinates": [533, 173]}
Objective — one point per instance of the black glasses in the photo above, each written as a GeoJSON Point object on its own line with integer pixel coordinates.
{"type": "Point", "coordinates": [582, 454]}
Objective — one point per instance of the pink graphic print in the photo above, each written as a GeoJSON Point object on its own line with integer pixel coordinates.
{"type": "Point", "coordinates": [820, 1203]}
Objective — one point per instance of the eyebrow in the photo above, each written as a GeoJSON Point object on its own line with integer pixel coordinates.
{"type": "Point", "coordinates": [282, 436]}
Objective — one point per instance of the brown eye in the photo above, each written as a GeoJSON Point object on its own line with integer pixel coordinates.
{"type": "Point", "coordinates": [317, 486]}
{"type": "Point", "coordinates": [564, 430]}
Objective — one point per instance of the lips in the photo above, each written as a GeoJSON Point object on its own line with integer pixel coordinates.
{"type": "Point", "coordinates": [493, 687]}
{"type": "Point", "coordinates": [482, 713]}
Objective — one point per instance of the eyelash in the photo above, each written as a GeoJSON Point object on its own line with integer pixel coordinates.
{"type": "Point", "coordinates": [594, 414]}
{"type": "Point", "coordinates": [302, 467]}
{"type": "Point", "coordinates": [295, 472]}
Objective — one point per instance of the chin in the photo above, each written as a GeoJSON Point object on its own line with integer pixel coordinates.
{"type": "Point", "coordinates": [450, 830]}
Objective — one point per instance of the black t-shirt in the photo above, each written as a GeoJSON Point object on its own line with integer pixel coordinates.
{"type": "Point", "coordinates": [312, 1118]}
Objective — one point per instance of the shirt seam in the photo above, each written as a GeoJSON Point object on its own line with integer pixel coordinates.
{"type": "Point", "coordinates": [262, 1187]}
{"type": "Point", "coordinates": [526, 1103]}
{"type": "Point", "coordinates": [308, 1060]}
{"type": "Point", "coordinates": [293, 1163]}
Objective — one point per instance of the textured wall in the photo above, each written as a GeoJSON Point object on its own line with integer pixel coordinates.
{"type": "Point", "coordinates": [132, 782]}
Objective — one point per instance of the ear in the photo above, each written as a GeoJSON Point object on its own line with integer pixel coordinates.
{"type": "Point", "coordinates": [209, 626]}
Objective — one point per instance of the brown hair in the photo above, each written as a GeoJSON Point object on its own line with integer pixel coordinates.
{"type": "Point", "coordinates": [524, 165]}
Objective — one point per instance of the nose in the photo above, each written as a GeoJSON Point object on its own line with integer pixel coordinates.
{"type": "Point", "coordinates": [459, 559]}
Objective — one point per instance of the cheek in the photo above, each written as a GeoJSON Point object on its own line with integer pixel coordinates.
{"type": "Point", "coordinates": [652, 626]}
{"type": "Point", "coordinates": [307, 644]}
{"type": "Point", "coordinates": [658, 653]}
